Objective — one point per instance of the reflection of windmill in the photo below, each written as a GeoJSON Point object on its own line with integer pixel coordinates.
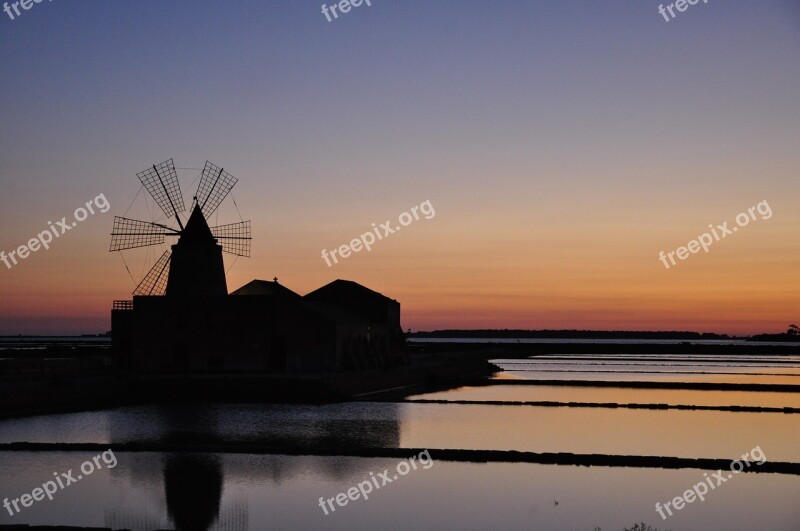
{"type": "Point", "coordinates": [194, 265]}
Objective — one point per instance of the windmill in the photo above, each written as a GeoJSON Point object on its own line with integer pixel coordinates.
{"type": "Point", "coordinates": [193, 265]}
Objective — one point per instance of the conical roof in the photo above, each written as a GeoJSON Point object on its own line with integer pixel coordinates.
{"type": "Point", "coordinates": [197, 230]}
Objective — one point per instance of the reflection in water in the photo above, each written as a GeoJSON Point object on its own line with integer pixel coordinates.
{"type": "Point", "coordinates": [331, 426]}
{"type": "Point", "coordinates": [450, 495]}
{"type": "Point", "coordinates": [200, 491]}
{"type": "Point", "coordinates": [193, 482]}
{"type": "Point", "coordinates": [181, 491]}
{"type": "Point", "coordinates": [193, 485]}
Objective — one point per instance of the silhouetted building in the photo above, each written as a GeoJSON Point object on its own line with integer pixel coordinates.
{"type": "Point", "coordinates": [350, 306]}
{"type": "Point", "coordinates": [182, 319]}
{"type": "Point", "coordinates": [261, 327]}
{"type": "Point", "coordinates": [196, 327]}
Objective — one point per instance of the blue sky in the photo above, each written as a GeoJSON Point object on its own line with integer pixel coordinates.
{"type": "Point", "coordinates": [538, 129]}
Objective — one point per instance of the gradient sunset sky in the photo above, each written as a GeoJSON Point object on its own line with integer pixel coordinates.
{"type": "Point", "coordinates": [563, 145]}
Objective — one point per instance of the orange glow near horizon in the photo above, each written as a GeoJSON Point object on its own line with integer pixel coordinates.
{"type": "Point", "coordinates": [576, 279]}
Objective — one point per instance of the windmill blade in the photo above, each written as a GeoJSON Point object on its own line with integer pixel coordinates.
{"type": "Point", "coordinates": [215, 184]}
{"type": "Point", "coordinates": [234, 238]}
{"type": "Point", "coordinates": [155, 282]}
{"type": "Point", "coordinates": [132, 233]}
{"type": "Point", "coordinates": [161, 181]}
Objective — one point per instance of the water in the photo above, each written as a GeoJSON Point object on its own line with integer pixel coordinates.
{"type": "Point", "coordinates": [158, 490]}
{"type": "Point", "coordinates": [610, 341]}
{"type": "Point", "coordinates": [280, 492]}
{"type": "Point", "coordinates": [476, 427]}
{"type": "Point", "coordinates": [42, 342]}
{"type": "Point", "coordinates": [616, 395]}
{"type": "Point", "coordinates": [656, 368]}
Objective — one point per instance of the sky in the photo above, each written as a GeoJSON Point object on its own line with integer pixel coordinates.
{"type": "Point", "coordinates": [562, 145]}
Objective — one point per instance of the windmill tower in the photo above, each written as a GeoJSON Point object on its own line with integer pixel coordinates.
{"type": "Point", "coordinates": [193, 266]}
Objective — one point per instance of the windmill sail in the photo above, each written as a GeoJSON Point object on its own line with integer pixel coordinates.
{"type": "Point", "coordinates": [161, 182]}
{"type": "Point", "coordinates": [155, 282]}
{"type": "Point", "coordinates": [194, 265]}
{"type": "Point", "coordinates": [235, 238]}
{"type": "Point", "coordinates": [132, 233]}
{"type": "Point", "coordinates": [215, 184]}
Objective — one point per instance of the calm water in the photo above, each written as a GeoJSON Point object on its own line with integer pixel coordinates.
{"type": "Point", "coordinates": [478, 427]}
{"type": "Point", "coordinates": [41, 342]}
{"type": "Point", "coordinates": [573, 341]}
{"type": "Point", "coordinates": [148, 491]}
{"type": "Point", "coordinates": [656, 368]}
{"type": "Point", "coordinates": [605, 395]}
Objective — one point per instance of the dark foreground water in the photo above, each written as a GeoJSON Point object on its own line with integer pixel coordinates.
{"type": "Point", "coordinates": [145, 491]}
{"type": "Point", "coordinates": [150, 491]}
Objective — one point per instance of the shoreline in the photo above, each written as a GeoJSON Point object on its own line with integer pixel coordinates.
{"type": "Point", "coordinates": [69, 392]}
{"type": "Point", "coordinates": [437, 366]}
{"type": "Point", "coordinates": [438, 454]}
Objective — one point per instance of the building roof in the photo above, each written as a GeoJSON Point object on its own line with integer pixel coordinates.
{"type": "Point", "coordinates": [345, 288]}
{"type": "Point", "coordinates": [265, 287]}
{"type": "Point", "coordinates": [369, 305]}
{"type": "Point", "coordinates": [197, 230]}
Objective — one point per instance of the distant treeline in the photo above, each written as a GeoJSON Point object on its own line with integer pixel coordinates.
{"type": "Point", "coordinates": [571, 334]}
{"type": "Point", "coordinates": [793, 338]}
